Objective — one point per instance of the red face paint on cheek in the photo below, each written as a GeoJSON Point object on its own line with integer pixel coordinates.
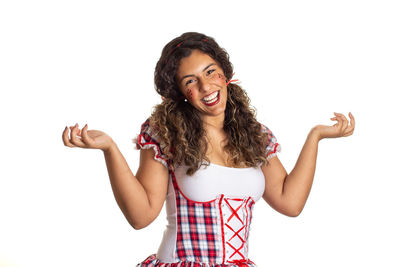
{"type": "Point", "coordinates": [221, 76]}
{"type": "Point", "coordinates": [189, 94]}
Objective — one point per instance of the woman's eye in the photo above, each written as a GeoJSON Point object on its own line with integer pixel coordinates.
{"type": "Point", "coordinates": [189, 82]}
{"type": "Point", "coordinates": [210, 71]}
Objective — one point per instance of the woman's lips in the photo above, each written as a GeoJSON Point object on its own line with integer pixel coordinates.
{"type": "Point", "coordinates": [213, 101]}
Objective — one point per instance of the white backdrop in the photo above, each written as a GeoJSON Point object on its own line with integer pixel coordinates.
{"type": "Point", "coordinates": [63, 62]}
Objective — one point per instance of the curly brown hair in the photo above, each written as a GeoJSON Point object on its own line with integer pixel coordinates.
{"type": "Point", "coordinates": [178, 124]}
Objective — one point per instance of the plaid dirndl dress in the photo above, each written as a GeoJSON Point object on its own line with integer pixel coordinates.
{"type": "Point", "coordinates": [208, 234]}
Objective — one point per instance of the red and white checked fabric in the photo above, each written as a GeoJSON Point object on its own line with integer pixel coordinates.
{"type": "Point", "coordinates": [273, 146]}
{"type": "Point", "coordinates": [197, 229]}
{"type": "Point", "coordinates": [147, 139]}
{"type": "Point", "coordinates": [208, 233]}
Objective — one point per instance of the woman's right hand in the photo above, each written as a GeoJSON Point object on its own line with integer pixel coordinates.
{"type": "Point", "coordinates": [86, 139]}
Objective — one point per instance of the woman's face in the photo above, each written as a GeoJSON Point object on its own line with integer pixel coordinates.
{"type": "Point", "coordinates": [202, 82]}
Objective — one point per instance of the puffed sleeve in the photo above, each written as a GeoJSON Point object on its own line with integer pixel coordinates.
{"type": "Point", "coordinates": [273, 147]}
{"type": "Point", "coordinates": [147, 139]}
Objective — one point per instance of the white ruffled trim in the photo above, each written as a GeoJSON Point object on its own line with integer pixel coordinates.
{"type": "Point", "coordinates": [278, 149]}
{"type": "Point", "coordinates": [156, 151]}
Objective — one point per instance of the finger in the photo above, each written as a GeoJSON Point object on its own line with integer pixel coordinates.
{"type": "Point", "coordinates": [345, 122]}
{"type": "Point", "coordinates": [350, 129]}
{"type": "Point", "coordinates": [339, 120]}
{"type": "Point", "coordinates": [337, 124]}
{"type": "Point", "coordinates": [65, 138]}
{"type": "Point", "coordinates": [352, 120]}
{"type": "Point", "coordinates": [74, 139]}
{"type": "Point", "coordinates": [86, 138]}
{"type": "Point", "coordinates": [348, 133]}
{"type": "Point", "coordinates": [77, 130]}
{"type": "Point", "coordinates": [352, 124]}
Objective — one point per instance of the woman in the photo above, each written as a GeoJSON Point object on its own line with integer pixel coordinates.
{"type": "Point", "coordinates": [206, 155]}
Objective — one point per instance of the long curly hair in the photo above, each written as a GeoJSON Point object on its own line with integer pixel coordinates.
{"type": "Point", "coordinates": [178, 124]}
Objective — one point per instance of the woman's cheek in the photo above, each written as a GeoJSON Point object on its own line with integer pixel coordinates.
{"type": "Point", "coordinates": [221, 78]}
{"type": "Point", "coordinates": [189, 94]}
{"type": "Point", "coordinates": [216, 76]}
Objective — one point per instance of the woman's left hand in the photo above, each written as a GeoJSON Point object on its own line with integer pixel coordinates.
{"type": "Point", "coordinates": [340, 129]}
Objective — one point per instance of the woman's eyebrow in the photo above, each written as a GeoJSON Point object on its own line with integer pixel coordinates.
{"type": "Point", "coordinates": [190, 75]}
{"type": "Point", "coordinates": [208, 66]}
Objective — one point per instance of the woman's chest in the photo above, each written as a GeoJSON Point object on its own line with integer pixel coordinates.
{"type": "Point", "coordinates": [217, 154]}
{"type": "Point", "coordinates": [210, 181]}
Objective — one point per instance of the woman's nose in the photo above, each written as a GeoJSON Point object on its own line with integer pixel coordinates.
{"type": "Point", "coordinates": [205, 85]}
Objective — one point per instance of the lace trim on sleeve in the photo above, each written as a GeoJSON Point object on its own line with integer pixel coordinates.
{"type": "Point", "coordinates": [274, 151]}
{"type": "Point", "coordinates": [273, 146]}
{"type": "Point", "coordinates": [147, 140]}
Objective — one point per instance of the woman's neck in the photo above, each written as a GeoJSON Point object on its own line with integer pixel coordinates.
{"type": "Point", "coordinates": [215, 122]}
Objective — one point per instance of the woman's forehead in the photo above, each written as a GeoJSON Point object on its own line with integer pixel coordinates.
{"type": "Point", "coordinates": [197, 62]}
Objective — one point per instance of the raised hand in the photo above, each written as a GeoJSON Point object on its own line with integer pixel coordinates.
{"type": "Point", "coordinates": [340, 129]}
{"type": "Point", "coordinates": [86, 139]}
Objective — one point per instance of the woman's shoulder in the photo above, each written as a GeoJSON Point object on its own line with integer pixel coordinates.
{"type": "Point", "coordinates": [148, 129]}
{"type": "Point", "coordinates": [265, 129]}
{"type": "Point", "coordinates": [272, 144]}
{"type": "Point", "coordinates": [148, 139]}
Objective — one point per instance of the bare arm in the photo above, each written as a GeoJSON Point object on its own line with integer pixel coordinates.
{"type": "Point", "coordinates": [288, 193]}
{"type": "Point", "coordinates": [139, 197]}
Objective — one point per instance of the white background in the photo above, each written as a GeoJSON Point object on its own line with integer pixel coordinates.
{"type": "Point", "coordinates": [63, 62]}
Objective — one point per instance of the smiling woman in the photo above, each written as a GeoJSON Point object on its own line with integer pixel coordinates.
{"type": "Point", "coordinates": [205, 88]}
{"type": "Point", "coordinates": [205, 127]}
{"type": "Point", "coordinates": [207, 157]}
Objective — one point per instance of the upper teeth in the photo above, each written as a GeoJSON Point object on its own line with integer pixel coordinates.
{"type": "Point", "coordinates": [210, 97]}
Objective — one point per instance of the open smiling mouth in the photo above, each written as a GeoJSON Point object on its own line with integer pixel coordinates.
{"type": "Point", "coordinates": [212, 99]}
